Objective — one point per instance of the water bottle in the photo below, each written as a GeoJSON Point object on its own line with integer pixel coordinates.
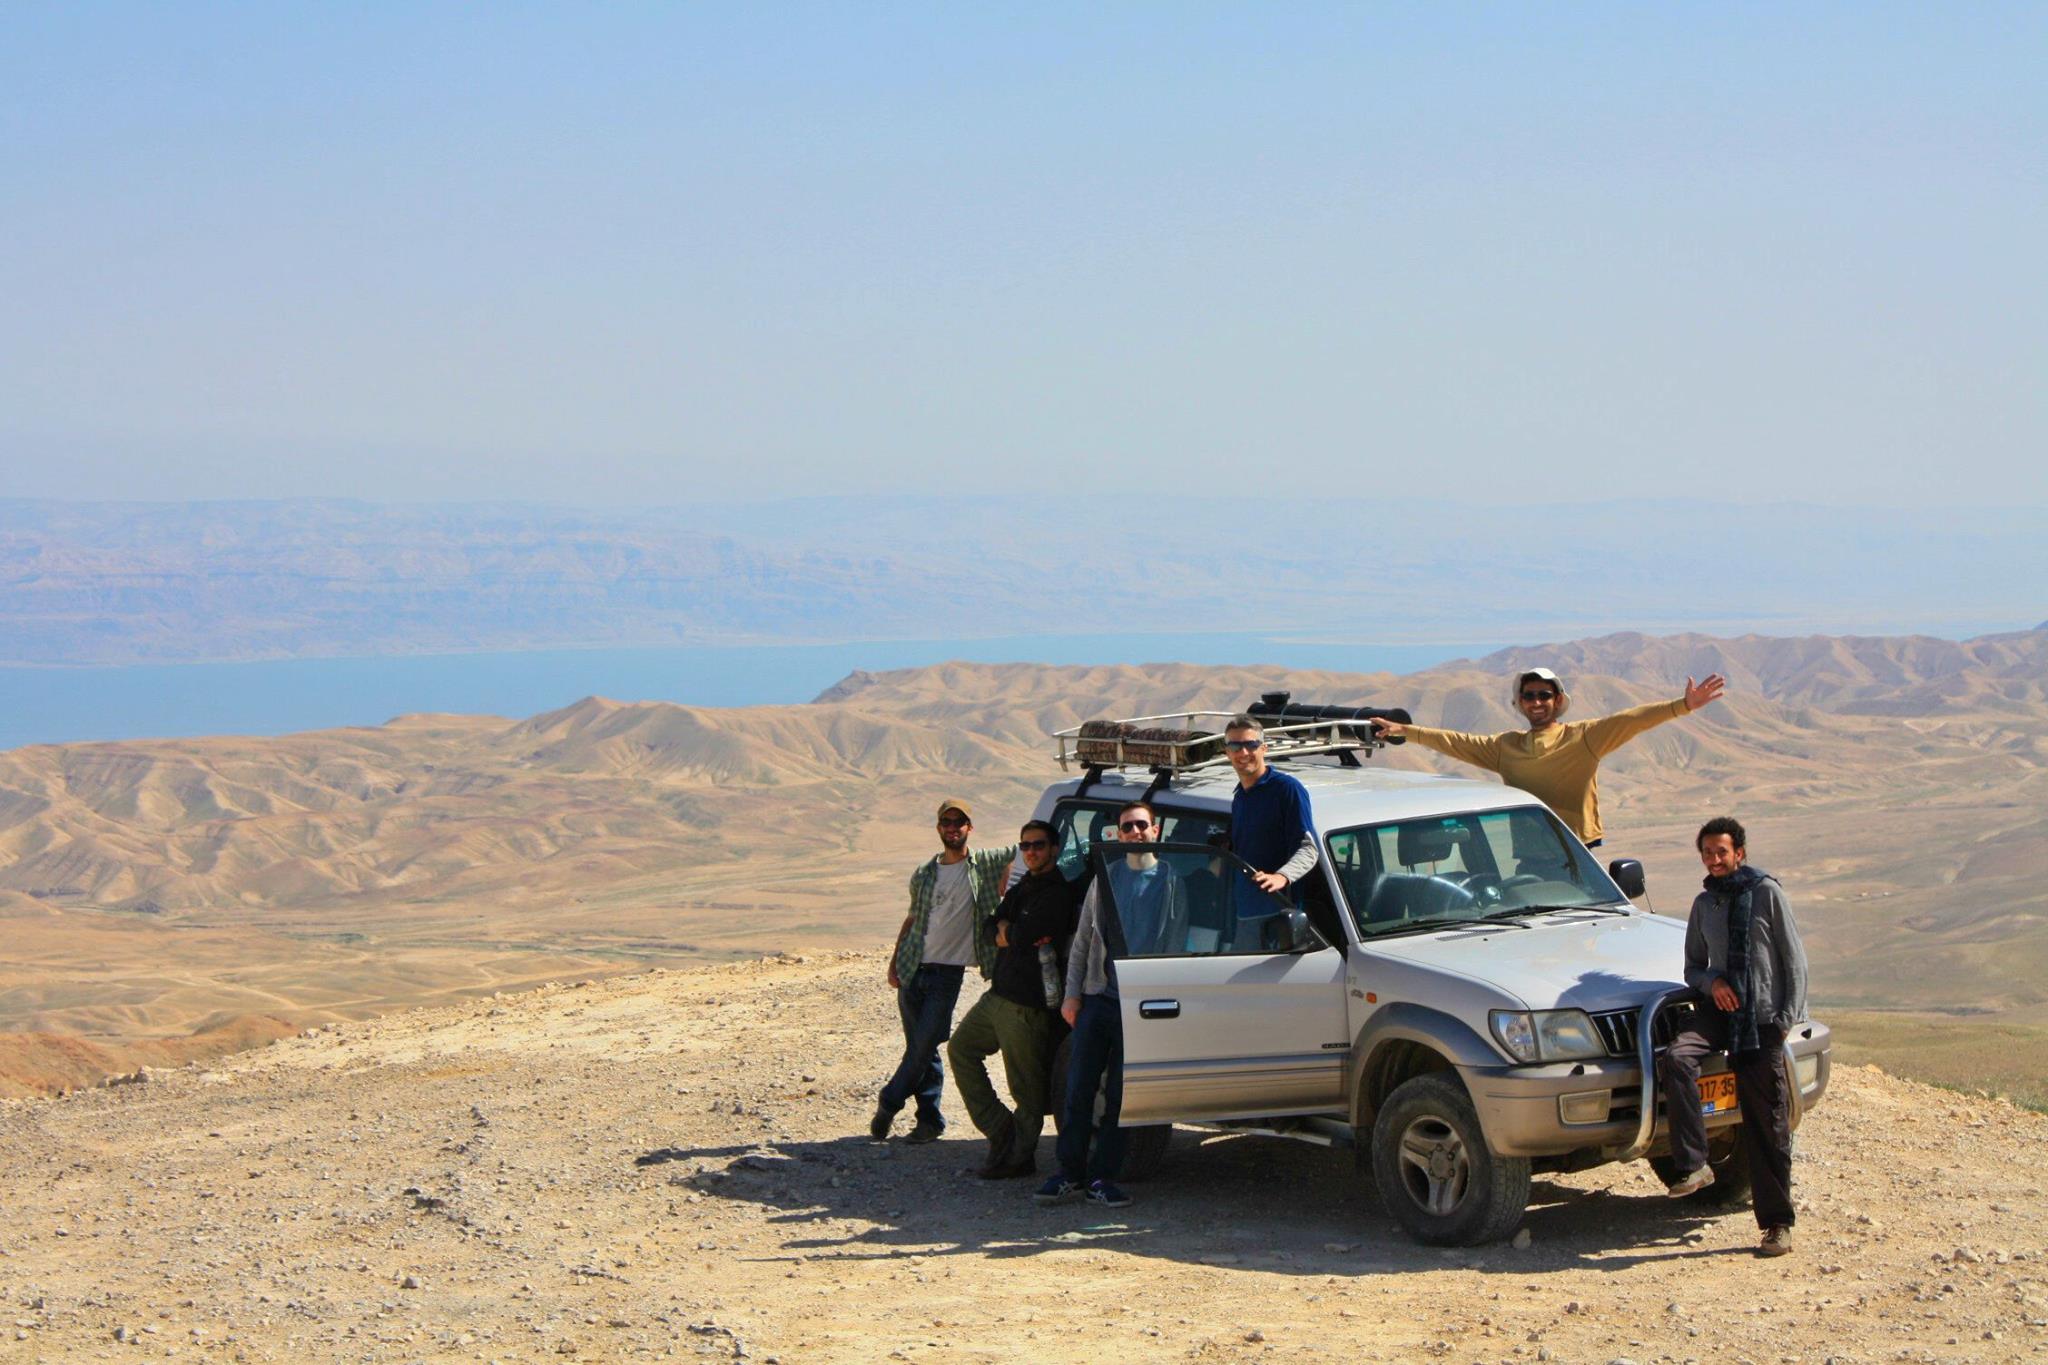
{"type": "Point", "coordinates": [1050, 976]}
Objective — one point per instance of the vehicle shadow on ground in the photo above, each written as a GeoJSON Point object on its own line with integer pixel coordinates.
{"type": "Point", "coordinates": [1262, 1204]}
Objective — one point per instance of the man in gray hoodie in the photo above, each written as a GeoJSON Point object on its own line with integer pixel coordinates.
{"type": "Point", "coordinates": [1151, 909]}
{"type": "Point", "coordinates": [1744, 957]}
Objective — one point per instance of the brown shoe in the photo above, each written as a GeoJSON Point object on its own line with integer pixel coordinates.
{"type": "Point", "coordinates": [996, 1165]}
{"type": "Point", "coordinates": [1777, 1242]}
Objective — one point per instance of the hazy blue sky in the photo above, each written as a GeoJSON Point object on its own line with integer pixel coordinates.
{"type": "Point", "coordinates": [654, 253]}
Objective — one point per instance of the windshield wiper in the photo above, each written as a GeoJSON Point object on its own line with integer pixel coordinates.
{"type": "Point", "coordinates": [1452, 922]}
{"type": "Point", "coordinates": [1545, 909]}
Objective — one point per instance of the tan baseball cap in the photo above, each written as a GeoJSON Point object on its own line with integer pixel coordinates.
{"type": "Point", "coordinates": [954, 803]}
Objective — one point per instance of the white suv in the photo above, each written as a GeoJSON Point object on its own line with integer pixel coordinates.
{"type": "Point", "coordinates": [1458, 991]}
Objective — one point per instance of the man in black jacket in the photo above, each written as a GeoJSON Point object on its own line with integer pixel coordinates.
{"type": "Point", "coordinates": [1744, 957]}
{"type": "Point", "coordinates": [1015, 1016]}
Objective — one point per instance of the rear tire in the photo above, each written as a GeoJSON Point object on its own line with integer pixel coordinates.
{"type": "Point", "coordinates": [1436, 1174]}
{"type": "Point", "coordinates": [1144, 1146]}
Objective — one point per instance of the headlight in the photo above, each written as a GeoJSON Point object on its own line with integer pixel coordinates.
{"type": "Point", "coordinates": [1547, 1035]}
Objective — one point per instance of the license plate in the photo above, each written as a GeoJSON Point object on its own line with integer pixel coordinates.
{"type": "Point", "coordinates": [1717, 1093]}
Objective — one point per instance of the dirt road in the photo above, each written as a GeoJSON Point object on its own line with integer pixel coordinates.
{"type": "Point", "coordinates": [676, 1164]}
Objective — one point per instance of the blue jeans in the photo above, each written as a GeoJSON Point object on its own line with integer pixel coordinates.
{"type": "Point", "coordinates": [1096, 1060]}
{"type": "Point", "coordinates": [926, 1003]}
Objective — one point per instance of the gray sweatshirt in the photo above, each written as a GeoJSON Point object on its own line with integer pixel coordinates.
{"type": "Point", "coordinates": [1777, 959]}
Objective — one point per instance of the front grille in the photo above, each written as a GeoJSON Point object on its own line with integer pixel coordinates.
{"type": "Point", "coordinates": [1618, 1027]}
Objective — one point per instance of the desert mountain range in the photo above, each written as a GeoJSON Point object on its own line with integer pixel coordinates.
{"type": "Point", "coordinates": [172, 899]}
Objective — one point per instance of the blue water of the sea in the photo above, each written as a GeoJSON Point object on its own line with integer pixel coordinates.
{"type": "Point", "coordinates": [163, 701]}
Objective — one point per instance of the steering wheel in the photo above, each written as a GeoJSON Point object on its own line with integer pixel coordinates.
{"type": "Point", "coordinates": [1485, 887]}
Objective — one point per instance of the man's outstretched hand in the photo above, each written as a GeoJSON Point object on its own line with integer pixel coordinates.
{"type": "Point", "coordinates": [1270, 881]}
{"type": "Point", "coordinates": [1699, 694]}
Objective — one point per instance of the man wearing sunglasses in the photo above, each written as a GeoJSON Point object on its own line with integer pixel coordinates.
{"type": "Point", "coordinates": [1270, 825]}
{"type": "Point", "coordinates": [1556, 761]}
{"type": "Point", "coordinates": [953, 899]}
{"type": "Point", "coordinates": [1015, 1015]}
{"type": "Point", "coordinates": [1151, 909]}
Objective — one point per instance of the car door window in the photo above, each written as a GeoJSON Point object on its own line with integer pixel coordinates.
{"type": "Point", "coordinates": [1084, 824]}
{"type": "Point", "coordinates": [1179, 899]}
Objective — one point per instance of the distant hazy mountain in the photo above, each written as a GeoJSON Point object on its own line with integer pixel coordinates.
{"type": "Point", "coordinates": [125, 582]}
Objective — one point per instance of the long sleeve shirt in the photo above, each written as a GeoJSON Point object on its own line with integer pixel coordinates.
{"type": "Point", "coordinates": [988, 865]}
{"type": "Point", "coordinates": [1043, 905]}
{"type": "Point", "coordinates": [1559, 765]}
{"type": "Point", "coordinates": [1777, 958]}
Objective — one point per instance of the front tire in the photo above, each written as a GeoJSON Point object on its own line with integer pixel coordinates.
{"type": "Point", "coordinates": [1436, 1174]}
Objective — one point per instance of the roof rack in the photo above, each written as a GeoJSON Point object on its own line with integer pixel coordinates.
{"type": "Point", "coordinates": [1191, 741]}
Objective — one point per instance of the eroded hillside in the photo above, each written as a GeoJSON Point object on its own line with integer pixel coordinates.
{"type": "Point", "coordinates": [163, 899]}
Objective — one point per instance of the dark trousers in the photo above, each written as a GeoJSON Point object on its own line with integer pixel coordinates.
{"type": "Point", "coordinates": [1095, 1061]}
{"type": "Point", "coordinates": [925, 1002]}
{"type": "Point", "coordinates": [1760, 1091]}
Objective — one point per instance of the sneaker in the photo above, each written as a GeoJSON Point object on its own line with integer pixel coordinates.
{"type": "Point", "coordinates": [1692, 1182]}
{"type": "Point", "coordinates": [1777, 1242]}
{"type": "Point", "coordinates": [878, 1127]}
{"type": "Point", "coordinates": [1057, 1189]}
{"type": "Point", "coordinates": [1107, 1194]}
{"type": "Point", "coordinates": [926, 1131]}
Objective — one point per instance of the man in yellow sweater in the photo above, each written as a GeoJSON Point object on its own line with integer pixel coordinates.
{"type": "Point", "coordinates": [1556, 762]}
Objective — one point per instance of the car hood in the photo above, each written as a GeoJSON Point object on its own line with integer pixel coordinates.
{"type": "Point", "coordinates": [1588, 962]}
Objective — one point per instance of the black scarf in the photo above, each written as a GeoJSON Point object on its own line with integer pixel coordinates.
{"type": "Point", "coordinates": [1738, 888]}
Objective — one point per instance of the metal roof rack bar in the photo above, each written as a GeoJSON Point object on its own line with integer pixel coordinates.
{"type": "Point", "coordinates": [1194, 742]}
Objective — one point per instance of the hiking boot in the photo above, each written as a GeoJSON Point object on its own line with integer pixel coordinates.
{"type": "Point", "coordinates": [1106, 1193]}
{"type": "Point", "coordinates": [878, 1127]}
{"type": "Point", "coordinates": [1777, 1242]}
{"type": "Point", "coordinates": [1692, 1182]}
{"type": "Point", "coordinates": [995, 1165]}
{"type": "Point", "coordinates": [926, 1130]}
{"type": "Point", "coordinates": [1056, 1190]}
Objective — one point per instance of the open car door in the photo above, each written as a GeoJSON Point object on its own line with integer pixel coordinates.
{"type": "Point", "coordinates": [1233, 1005]}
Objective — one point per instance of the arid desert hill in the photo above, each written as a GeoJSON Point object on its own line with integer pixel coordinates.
{"type": "Point", "coordinates": [677, 1165]}
{"type": "Point", "coordinates": [163, 899]}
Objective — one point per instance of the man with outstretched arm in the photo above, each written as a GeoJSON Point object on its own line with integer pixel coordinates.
{"type": "Point", "coordinates": [1151, 909]}
{"type": "Point", "coordinates": [1744, 957]}
{"type": "Point", "coordinates": [1554, 760]}
{"type": "Point", "coordinates": [1015, 1015]}
{"type": "Point", "coordinates": [953, 899]}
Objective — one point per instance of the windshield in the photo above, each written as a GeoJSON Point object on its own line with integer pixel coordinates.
{"type": "Point", "coordinates": [1496, 863]}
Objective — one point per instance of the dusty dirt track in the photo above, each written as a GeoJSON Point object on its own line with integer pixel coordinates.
{"type": "Point", "coordinates": [675, 1164]}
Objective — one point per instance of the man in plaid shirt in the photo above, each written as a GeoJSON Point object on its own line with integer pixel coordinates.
{"type": "Point", "coordinates": [953, 898]}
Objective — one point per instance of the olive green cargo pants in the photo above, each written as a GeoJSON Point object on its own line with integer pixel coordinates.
{"type": "Point", "coordinates": [1024, 1036]}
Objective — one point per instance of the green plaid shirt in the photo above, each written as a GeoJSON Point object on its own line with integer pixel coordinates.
{"type": "Point", "coordinates": [985, 868]}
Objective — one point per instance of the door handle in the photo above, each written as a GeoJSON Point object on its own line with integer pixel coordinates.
{"type": "Point", "coordinates": [1159, 1009]}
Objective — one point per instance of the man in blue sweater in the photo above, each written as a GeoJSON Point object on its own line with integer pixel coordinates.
{"type": "Point", "coordinates": [1270, 825]}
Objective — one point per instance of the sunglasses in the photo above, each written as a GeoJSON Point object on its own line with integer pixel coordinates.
{"type": "Point", "coordinates": [1133, 826]}
{"type": "Point", "coordinates": [1238, 746]}
{"type": "Point", "coordinates": [1538, 694]}
{"type": "Point", "coordinates": [954, 824]}
{"type": "Point", "coordinates": [1028, 844]}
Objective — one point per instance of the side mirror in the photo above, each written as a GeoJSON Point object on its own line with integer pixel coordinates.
{"type": "Point", "coordinates": [1290, 932]}
{"type": "Point", "coordinates": [1628, 875]}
